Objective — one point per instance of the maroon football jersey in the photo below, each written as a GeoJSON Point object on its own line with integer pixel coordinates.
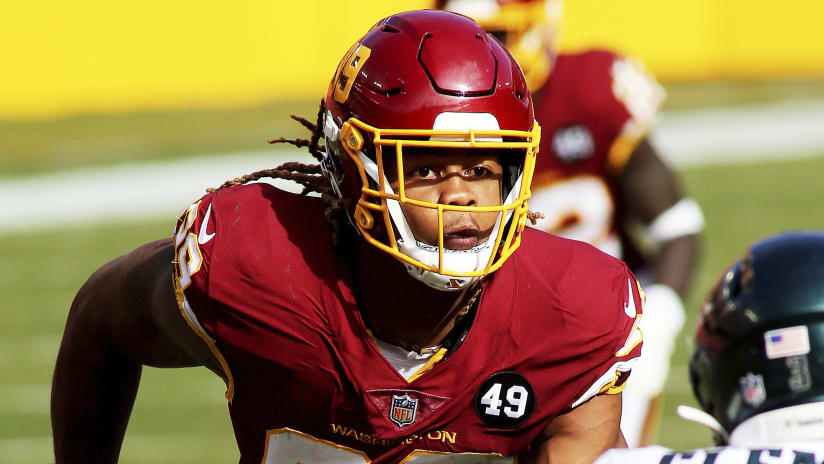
{"type": "Point", "coordinates": [594, 109]}
{"type": "Point", "coordinates": [258, 278]}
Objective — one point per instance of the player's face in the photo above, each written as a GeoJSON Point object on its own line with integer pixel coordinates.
{"type": "Point", "coordinates": [450, 177]}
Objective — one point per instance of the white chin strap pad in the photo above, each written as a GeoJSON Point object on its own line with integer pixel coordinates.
{"type": "Point", "coordinates": [457, 260]}
{"type": "Point", "coordinates": [802, 422]}
{"type": "Point", "coordinates": [470, 260]}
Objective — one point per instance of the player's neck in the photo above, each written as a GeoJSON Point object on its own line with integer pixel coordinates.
{"type": "Point", "coordinates": [400, 309]}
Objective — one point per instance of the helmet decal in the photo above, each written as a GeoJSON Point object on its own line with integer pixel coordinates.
{"type": "Point", "coordinates": [348, 68]}
{"type": "Point", "coordinates": [752, 389]}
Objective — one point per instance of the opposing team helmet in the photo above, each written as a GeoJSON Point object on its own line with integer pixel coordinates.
{"type": "Point", "coordinates": [429, 80]}
{"type": "Point", "coordinates": [758, 365]}
{"type": "Point", "coordinates": [528, 28]}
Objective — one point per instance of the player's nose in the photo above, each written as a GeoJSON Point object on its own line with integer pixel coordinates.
{"type": "Point", "coordinates": [456, 190]}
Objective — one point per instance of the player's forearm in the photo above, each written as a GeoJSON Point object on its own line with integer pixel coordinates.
{"type": "Point", "coordinates": [95, 379]}
{"type": "Point", "coordinates": [580, 435]}
{"type": "Point", "coordinates": [569, 449]}
{"type": "Point", "coordinates": [93, 391]}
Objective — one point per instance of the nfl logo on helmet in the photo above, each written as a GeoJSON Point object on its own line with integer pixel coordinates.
{"type": "Point", "coordinates": [403, 410]}
{"type": "Point", "coordinates": [752, 389]}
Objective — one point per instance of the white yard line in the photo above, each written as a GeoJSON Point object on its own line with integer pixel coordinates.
{"type": "Point", "coordinates": [733, 135]}
{"type": "Point", "coordinates": [128, 191]}
{"type": "Point", "coordinates": [165, 189]}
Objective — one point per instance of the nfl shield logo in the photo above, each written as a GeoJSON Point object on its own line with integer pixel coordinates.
{"type": "Point", "coordinates": [752, 389]}
{"type": "Point", "coordinates": [403, 410]}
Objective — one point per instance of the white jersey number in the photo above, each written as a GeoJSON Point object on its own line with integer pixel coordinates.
{"type": "Point", "coordinates": [187, 251]}
{"type": "Point", "coordinates": [580, 208]}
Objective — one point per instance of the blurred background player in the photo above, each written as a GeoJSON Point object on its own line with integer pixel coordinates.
{"type": "Point", "coordinates": [599, 179]}
{"type": "Point", "coordinates": [757, 370]}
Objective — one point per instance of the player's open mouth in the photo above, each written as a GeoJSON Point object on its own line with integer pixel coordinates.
{"type": "Point", "coordinates": [462, 238]}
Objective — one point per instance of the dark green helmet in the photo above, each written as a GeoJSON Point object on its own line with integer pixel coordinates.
{"type": "Point", "coordinates": [760, 335]}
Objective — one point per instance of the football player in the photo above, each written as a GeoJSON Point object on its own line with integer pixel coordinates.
{"type": "Point", "coordinates": [425, 325]}
{"type": "Point", "coordinates": [757, 370]}
{"type": "Point", "coordinates": [600, 180]}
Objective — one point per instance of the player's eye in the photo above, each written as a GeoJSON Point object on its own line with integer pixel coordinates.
{"type": "Point", "coordinates": [477, 171]}
{"type": "Point", "coordinates": [422, 172]}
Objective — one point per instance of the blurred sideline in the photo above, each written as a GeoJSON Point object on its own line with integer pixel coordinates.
{"type": "Point", "coordinates": [164, 189]}
{"type": "Point", "coordinates": [783, 130]}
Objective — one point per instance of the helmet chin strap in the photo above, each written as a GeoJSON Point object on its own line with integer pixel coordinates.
{"type": "Point", "coordinates": [331, 134]}
{"type": "Point", "coordinates": [696, 415]}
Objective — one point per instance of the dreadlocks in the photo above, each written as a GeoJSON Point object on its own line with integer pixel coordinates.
{"type": "Point", "coordinates": [309, 176]}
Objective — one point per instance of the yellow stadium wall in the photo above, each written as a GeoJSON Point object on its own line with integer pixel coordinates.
{"type": "Point", "coordinates": [705, 39]}
{"type": "Point", "coordinates": [63, 57]}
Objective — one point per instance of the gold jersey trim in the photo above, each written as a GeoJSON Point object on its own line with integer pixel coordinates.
{"type": "Point", "coordinates": [193, 324]}
{"type": "Point", "coordinates": [430, 363]}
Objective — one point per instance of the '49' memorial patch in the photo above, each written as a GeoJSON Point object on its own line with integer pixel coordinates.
{"type": "Point", "coordinates": [505, 400]}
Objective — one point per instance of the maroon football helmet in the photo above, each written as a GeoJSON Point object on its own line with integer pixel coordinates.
{"type": "Point", "coordinates": [429, 79]}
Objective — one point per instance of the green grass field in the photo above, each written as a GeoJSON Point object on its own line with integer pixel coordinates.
{"type": "Point", "coordinates": [180, 415]}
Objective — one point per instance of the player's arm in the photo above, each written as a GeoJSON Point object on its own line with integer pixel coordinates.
{"type": "Point", "coordinates": [647, 187]}
{"type": "Point", "coordinates": [592, 423]}
{"type": "Point", "coordinates": [583, 433]}
{"type": "Point", "coordinates": [123, 317]}
{"type": "Point", "coordinates": [651, 192]}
